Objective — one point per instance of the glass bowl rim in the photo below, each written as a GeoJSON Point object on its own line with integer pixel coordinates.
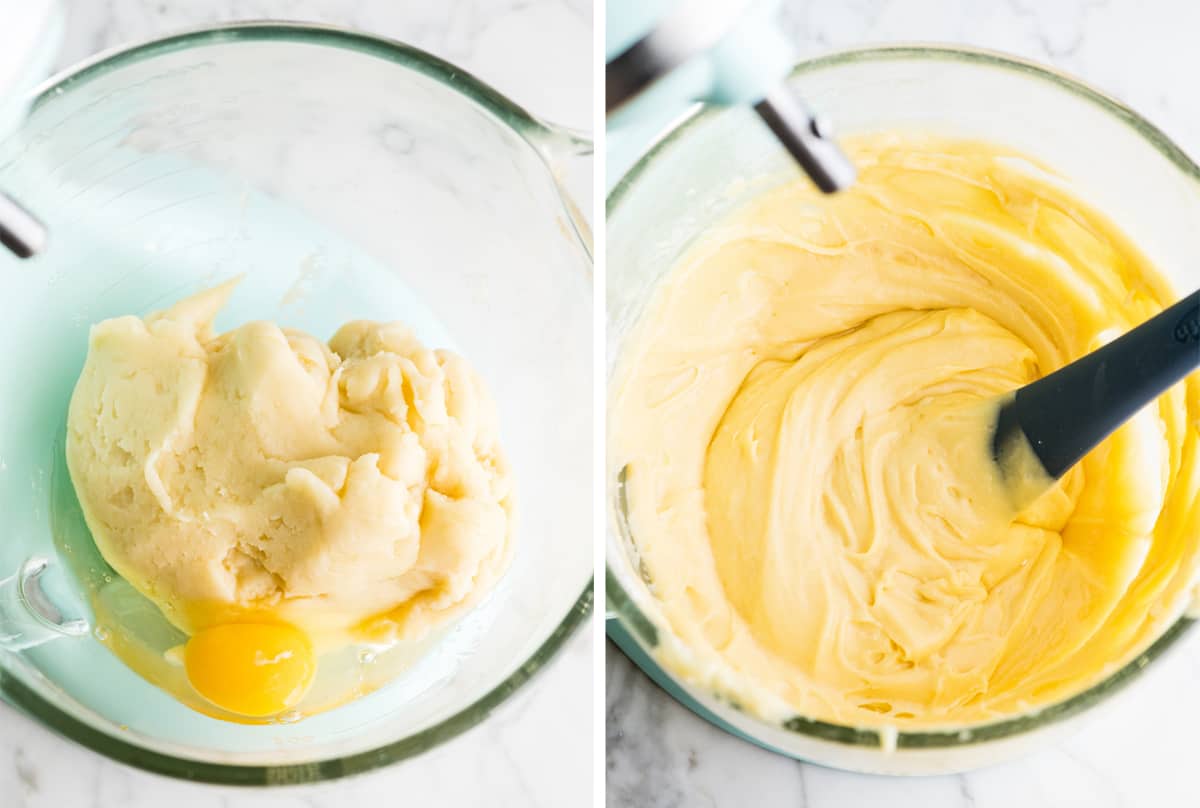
{"type": "Point", "coordinates": [620, 605]}
{"type": "Point", "coordinates": [21, 695]}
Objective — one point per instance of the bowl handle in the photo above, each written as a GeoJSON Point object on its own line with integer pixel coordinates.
{"type": "Point", "coordinates": [28, 616]}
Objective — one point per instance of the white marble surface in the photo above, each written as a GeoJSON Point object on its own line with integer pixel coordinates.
{"type": "Point", "coordinates": [1140, 752]}
{"type": "Point", "coordinates": [531, 752]}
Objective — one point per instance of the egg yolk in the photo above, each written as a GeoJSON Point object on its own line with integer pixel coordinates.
{"type": "Point", "coordinates": [252, 669]}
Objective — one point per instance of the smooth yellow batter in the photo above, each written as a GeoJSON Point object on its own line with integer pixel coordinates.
{"type": "Point", "coordinates": [800, 418]}
{"type": "Point", "coordinates": [278, 497]}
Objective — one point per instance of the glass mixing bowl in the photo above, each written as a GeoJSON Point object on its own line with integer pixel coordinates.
{"type": "Point", "coordinates": [345, 177]}
{"type": "Point", "coordinates": [715, 160]}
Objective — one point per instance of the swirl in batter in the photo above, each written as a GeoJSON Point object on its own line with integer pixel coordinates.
{"type": "Point", "coordinates": [800, 419]}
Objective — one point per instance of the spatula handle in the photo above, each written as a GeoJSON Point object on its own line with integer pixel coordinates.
{"type": "Point", "coordinates": [1065, 414]}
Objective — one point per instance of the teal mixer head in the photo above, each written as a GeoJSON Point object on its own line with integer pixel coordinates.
{"type": "Point", "coordinates": [664, 55]}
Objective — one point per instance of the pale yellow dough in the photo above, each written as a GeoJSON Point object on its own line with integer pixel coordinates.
{"type": "Point", "coordinates": [799, 416]}
{"type": "Point", "coordinates": [355, 490]}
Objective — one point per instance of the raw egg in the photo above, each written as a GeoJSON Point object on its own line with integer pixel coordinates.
{"type": "Point", "coordinates": [252, 669]}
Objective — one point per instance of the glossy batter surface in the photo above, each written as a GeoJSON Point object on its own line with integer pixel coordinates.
{"type": "Point", "coordinates": [800, 417]}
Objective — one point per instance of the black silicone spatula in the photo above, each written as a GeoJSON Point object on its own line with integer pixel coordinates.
{"type": "Point", "coordinates": [1064, 415]}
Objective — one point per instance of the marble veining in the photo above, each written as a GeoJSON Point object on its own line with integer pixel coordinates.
{"type": "Point", "coordinates": [1136, 753]}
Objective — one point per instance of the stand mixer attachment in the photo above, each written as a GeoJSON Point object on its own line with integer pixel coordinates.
{"type": "Point", "coordinates": [664, 55]}
{"type": "Point", "coordinates": [20, 230]}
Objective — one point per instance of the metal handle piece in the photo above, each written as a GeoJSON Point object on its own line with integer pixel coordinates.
{"type": "Point", "coordinates": [808, 138]}
{"type": "Point", "coordinates": [20, 230]}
